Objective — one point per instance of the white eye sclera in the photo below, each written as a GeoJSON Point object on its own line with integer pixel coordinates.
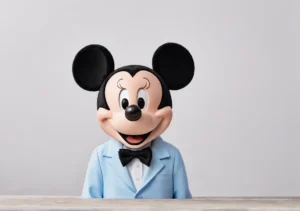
{"type": "Point", "coordinates": [142, 99]}
{"type": "Point", "coordinates": [123, 99]}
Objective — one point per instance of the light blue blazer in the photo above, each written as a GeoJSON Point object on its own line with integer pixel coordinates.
{"type": "Point", "coordinates": [107, 178]}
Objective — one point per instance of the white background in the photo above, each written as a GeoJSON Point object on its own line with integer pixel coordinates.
{"type": "Point", "coordinates": [237, 124]}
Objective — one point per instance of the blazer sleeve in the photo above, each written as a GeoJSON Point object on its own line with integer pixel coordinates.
{"type": "Point", "coordinates": [181, 186]}
{"type": "Point", "coordinates": [93, 183]}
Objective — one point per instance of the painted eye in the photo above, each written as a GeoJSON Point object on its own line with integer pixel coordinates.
{"type": "Point", "coordinates": [123, 99]}
{"type": "Point", "coordinates": [142, 98]}
{"type": "Point", "coordinates": [141, 103]}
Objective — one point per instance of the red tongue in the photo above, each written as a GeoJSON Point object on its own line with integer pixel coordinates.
{"type": "Point", "coordinates": [134, 139]}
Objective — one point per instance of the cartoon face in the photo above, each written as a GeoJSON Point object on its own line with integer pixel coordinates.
{"type": "Point", "coordinates": [134, 103]}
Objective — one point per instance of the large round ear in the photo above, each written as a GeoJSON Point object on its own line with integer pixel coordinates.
{"type": "Point", "coordinates": [174, 64]}
{"type": "Point", "coordinates": [91, 65]}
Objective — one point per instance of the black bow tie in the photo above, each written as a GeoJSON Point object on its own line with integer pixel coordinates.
{"type": "Point", "coordinates": [144, 155]}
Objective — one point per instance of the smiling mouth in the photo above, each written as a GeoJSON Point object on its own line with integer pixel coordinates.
{"type": "Point", "coordinates": [135, 139]}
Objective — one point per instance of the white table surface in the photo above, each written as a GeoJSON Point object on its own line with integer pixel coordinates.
{"type": "Point", "coordinates": [51, 203]}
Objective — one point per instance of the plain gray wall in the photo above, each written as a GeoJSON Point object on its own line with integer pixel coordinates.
{"type": "Point", "coordinates": [237, 124]}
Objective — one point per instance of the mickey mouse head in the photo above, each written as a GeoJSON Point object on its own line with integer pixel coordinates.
{"type": "Point", "coordinates": [134, 104]}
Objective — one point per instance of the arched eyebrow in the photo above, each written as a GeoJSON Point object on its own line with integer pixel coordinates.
{"type": "Point", "coordinates": [147, 85]}
{"type": "Point", "coordinates": [119, 85]}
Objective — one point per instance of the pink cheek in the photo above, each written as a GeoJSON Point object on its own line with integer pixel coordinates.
{"type": "Point", "coordinates": [147, 108]}
{"type": "Point", "coordinates": [118, 115]}
{"type": "Point", "coordinates": [149, 118]}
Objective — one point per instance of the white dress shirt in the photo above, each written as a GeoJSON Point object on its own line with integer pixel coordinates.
{"type": "Point", "coordinates": [136, 169]}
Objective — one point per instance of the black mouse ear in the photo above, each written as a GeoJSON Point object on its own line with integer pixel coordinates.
{"type": "Point", "coordinates": [91, 65]}
{"type": "Point", "coordinates": [174, 64]}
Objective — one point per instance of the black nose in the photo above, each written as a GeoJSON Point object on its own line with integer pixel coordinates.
{"type": "Point", "coordinates": [133, 113]}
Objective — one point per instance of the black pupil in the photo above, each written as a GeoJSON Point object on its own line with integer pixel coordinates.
{"type": "Point", "coordinates": [141, 102]}
{"type": "Point", "coordinates": [124, 103]}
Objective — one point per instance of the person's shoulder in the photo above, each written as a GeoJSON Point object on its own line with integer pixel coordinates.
{"type": "Point", "coordinates": [101, 149]}
{"type": "Point", "coordinates": [174, 153]}
{"type": "Point", "coordinates": [172, 149]}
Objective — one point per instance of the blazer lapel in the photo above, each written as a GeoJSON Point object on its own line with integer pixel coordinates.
{"type": "Point", "coordinates": [115, 164]}
{"type": "Point", "coordinates": [159, 152]}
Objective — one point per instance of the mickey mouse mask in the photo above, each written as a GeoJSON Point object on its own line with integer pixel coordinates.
{"type": "Point", "coordinates": [134, 103]}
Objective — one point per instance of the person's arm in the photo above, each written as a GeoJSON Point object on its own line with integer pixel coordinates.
{"type": "Point", "coordinates": [93, 184]}
{"type": "Point", "coordinates": [181, 186]}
